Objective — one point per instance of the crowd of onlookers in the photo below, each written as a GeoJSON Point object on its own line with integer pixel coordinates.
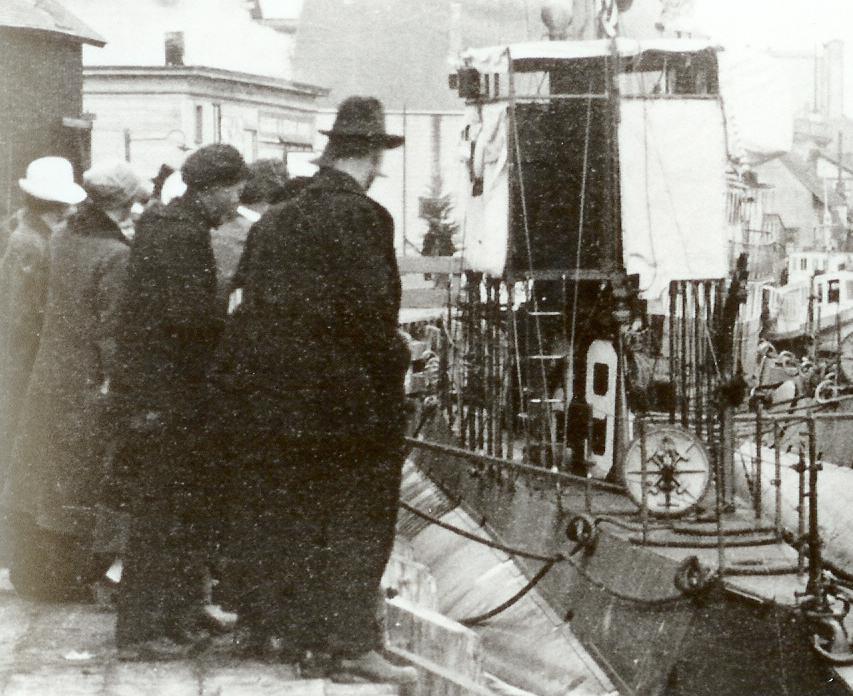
{"type": "Point", "coordinates": [201, 378]}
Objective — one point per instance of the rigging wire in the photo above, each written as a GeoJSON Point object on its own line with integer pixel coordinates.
{"type": "Point", "coordinates": [569, 389]}
{"type": "Point", "coordinates": [528, 244]}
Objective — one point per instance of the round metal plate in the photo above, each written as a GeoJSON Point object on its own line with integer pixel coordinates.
{"type": "Point", "coordinates": [678, 470]}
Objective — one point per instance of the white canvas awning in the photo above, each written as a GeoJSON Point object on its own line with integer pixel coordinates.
{"type": "Point", "coordinates": [494, 59]}
{"type": "Point", "coordinates": [673, 182]}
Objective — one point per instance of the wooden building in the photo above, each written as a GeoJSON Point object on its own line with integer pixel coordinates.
{"type": "Point", "coordinates": [41, 90]}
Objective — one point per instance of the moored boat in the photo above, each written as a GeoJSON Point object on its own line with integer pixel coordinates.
{"type": "Point", "coordinates": [585, 380]}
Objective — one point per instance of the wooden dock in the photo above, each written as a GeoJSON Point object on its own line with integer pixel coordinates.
{"type": "Point", "coordinates": [68, 650]}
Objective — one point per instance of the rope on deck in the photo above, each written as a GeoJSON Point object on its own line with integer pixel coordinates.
{"type": "Point", "coordinates": [689, 589]}
{"type": "Point", "coordinates": [480, 540]}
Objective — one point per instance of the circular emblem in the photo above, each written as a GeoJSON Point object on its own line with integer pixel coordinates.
{"type": "Point", "coordinates": [677, 470]}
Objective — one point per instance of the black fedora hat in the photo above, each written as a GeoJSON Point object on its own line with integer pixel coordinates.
{"type": "Point", "coordinates": [363, 118]}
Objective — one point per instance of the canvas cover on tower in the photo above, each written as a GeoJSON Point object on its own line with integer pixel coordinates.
{"type": "Point", "coordinates": [672, 176]}
{"type": "Point", "coordinates": [672, 179]}
{"type": "Point", "coordinates": [485, 198]}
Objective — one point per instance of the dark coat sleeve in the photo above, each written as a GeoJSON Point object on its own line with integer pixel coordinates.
{"type": "Point", "coordinates": [111, 284]}
{"type": "Point", "coordinates": [366, 290]}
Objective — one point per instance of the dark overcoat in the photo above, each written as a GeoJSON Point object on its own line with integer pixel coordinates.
{"type": "Point", "coordinates": [24, 273]}
{"type": "Point", "coordinates": [59, 457]}
{"type": "Point", "coordinates": [170, 325]}
{"type": "Point", "coordinates": [312, 355]}
{"type": "Point", "coordinates": [171, 321]}
{"type": "Point", "coordinates": [312, 370]}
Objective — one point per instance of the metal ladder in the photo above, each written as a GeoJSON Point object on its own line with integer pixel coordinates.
{"type": "Point", "coordinates": [544, 332]}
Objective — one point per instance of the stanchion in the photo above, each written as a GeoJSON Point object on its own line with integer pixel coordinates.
{"type": "Point", "coordinates": [756, 494]}
{"type": "Point", "coordinates": [644, 510]}
{"type": "Point", "coordinates": [815, 584]}
{"type": "Point", "coordinates": [801, 510]}
{"type": "Point", "coordinates": [777, 481]}
{"type": "Point", "coordinates": [720, 492]}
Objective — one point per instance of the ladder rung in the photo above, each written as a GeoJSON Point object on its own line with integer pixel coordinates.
{"type": "Point", "coordinates": [556, 356]}
{"type": "Point", "coordinates": [545, 314]}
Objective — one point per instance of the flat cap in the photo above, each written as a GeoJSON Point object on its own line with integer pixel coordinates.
{"type": "Point", "coordinates": [214, 165]}
{"type": "Point", "coordinates": [111, 184]}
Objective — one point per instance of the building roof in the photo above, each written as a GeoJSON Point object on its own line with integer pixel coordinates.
{"type": "Point", "coordinates": [203, 72]}
{"type": "Point", "coordinates": [48, 16]}
{"type": "Point", "coordinates": [810, 180]}
{"type": "Point", "coordinates": [846, 164]}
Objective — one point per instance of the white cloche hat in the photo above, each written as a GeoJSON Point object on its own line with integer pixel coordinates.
{"type": "Point", "coordinates": [52, 179]}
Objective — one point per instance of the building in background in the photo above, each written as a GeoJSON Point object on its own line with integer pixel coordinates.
{"type": "Point", "coordinates": [41, 110]}
{"type": "Point", "coordinates": [178, 74]}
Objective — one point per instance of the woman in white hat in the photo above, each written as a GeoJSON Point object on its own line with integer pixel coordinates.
{"type": "Point", "coordinates": [60, 448]}
{"type": "Point", "coordinates": [49, 192]}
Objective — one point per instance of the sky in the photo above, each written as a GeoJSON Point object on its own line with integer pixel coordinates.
{"type": "Point", "coordinates": [787, 24]}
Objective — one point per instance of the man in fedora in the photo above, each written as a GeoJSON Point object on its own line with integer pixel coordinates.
{"type": "Point", "coordinates": [49, 196]}
{"type": "Point", "coordinates": [312, 378]}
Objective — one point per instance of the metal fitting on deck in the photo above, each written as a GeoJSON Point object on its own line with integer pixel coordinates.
{"type": "Point", "coordinates": [692, 578]}
{"type": "Point", "coordinates": [583, 532]}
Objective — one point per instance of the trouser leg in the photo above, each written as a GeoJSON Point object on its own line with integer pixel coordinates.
{"type": "Point", "coordinates": [359, 532]}
{"type": "Point", "coordinates": [49, 566]}
{"type": "Point", "coordinates": [277, 543]}
{"type": "Point", "coordinates": [162, 578]}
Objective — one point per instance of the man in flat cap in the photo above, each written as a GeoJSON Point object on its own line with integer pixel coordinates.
{"type": "Point", "coordinates": [171, 323]}
{"type": "Point", "coordinates": [314, 366]}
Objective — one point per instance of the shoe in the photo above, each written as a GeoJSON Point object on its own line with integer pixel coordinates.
{"type": "Point", "coordinates": [262, 648]}
{"type": "Point", "coordinates": [316, 664]}
{"type": "Point", "coordinates": [155, 650]}
{"type": "Point", "coordinates": [373, 666]}
{"type": "Point", "coordinates": [214, 619]}
{"type": "Point", "coordinates": [192, 628]}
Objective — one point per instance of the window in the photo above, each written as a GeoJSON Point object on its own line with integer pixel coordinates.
{"type": "Point", "coordinates": [217, 123]}
{"type": "Point", "coordinates": [804, 264]}
{"type": "Point", "coordinates": [174, 46]}
{"type": "Point", "coordinates": [600, 377]}
{"type": "Point", "coordinates": [251, 153]}
{"type": "Point", "coordinates": [833, 291]}
{"type": "Point", "coordinates": [598, 439]}
{"type": "Point", "coordinates": [199, 124]}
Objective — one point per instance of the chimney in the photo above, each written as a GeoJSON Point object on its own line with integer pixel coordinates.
{"type": "Point", "coordinates": [174, 46]}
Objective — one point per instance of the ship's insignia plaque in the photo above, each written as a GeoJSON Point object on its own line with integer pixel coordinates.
{"type": "Point", "coordinates": [676, 474]}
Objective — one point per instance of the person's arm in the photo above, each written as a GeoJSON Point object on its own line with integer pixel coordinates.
{"type": "Point", "coordinates": [109, 294]}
